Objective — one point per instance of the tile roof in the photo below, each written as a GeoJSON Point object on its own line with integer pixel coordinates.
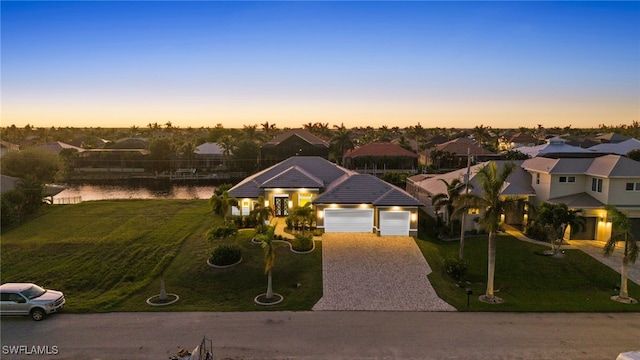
{"type": "Point", "coordinates": [301, 133]}
{"type": "Point", "coordinates": [459, 146]}
{"type": "Point", "coordinates": [612, 137]}
{"type": "Point", "coordinates": [557, 166]}
{"type": "Point", "coordinates": [518, 183]}
{"type": "Point", "coordinates": [614, 166]}
{"type": "Point", "coordinates": [579, 201]}
{"type": "Point", "coordinates": [293, 177]}
{"type": "Point", "coordinates": [209, 148]}
{"type": "Point", "coordinates": [604, 166]}
{"type": "Point", "coordinates": [554, 145]}
{"type": "Point", "coordinates": [366, 189]}
{"type": "Point", "coordinates": [621, 148]}
{"type": "Point", "coordinates": [321, 169]}
{"type": "Point", "coordinates": [380, 149]}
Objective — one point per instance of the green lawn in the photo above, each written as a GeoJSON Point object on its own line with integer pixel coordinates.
{"type": "Point", "coordinates": [525, 280]}
{"type": "Point", "coordinates": [108, 255]}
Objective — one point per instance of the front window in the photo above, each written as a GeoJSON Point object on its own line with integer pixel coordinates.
{"type": "Point", "coordinates": [596, 185]}
{"type": "Point", "coordinates": [33, 292]}
{"type": "Point", "coordinates": [633, 186]}
{"type": "Point", "coordinates": [567, 179]}
{"type": "Point", "coordinates": [303, 199]}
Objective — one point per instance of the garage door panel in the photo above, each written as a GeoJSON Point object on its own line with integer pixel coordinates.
{"type": "Point", "coordinates": [348, 220]}
{"type": "Point", "coordinates": [394, 223]}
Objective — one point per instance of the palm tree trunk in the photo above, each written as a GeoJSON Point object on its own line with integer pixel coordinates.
{"type": "Point", "coordinates": [491, 270]}
{"type": "Point", "coordinates": [624, 291]}
{"type": "Point", "coordinates": [462, 223]}
{"type": "Point", "coordinates": [269, 286]}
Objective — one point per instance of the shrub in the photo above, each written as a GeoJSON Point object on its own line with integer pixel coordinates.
{"type": "Point", "coordinates": [222, 255]}
{"type": "Point", "coordinates": [302, 242]}
{"type": "Point", "coordinates": [456, 268]}
{"type": "Point", "coordinates": [222, 232]}
{"type": "Point", "coordinates": [537, 232]}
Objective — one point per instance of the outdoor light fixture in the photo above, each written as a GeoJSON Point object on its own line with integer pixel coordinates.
{"type": "Point", "coordinates": [266, 203]}
{"type": "Point", "coordinates": [414, 217]}
{"type": "Point", "coordinates": [290, 203]}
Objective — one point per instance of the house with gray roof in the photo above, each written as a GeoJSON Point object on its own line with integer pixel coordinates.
{"type": "Point", "coordinates": [555, 146]}
{"type": "Point", "coordinates": [587, 184]}
{"type": "Point", "coordinates": [342, 200]}
{"type": "Point", "coordinates": [294, 142]}
{"type": "Point", "coordinates": [518, 185]}
{"type": "Point", "coordinates": [619, 148]}
{"type": "Point", "coordinates": [209, 156]}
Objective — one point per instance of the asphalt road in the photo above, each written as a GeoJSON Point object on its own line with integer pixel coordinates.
{"type": "Point", "coordinates": [325, 335]}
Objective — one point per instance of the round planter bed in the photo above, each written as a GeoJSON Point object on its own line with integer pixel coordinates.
{"type": "Point", "coordinates": [262, 299]}
{"type": "Point", "coordinates": [223, 266]}
{"type": "Point", "coordinates": [155, 300]}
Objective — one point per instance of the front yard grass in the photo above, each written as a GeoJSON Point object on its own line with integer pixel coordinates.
{"type": "Point", "coordinates": [525, 280]}
{"type": "Point", "coordinates": [108, 256]}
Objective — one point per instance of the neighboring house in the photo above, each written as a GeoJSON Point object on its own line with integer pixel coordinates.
{"type": "Point", "coordinates": [8, 183]}
{"type": "Point", "coordinates": [7, 147]}
{"type": "Point", "coordinates": [209, 156]}
{"type": "Point", "coordinates": [621, 148]}
{"type": "Point", "coordinates": [589, 184]}
{"type": "Point", "coordinates": [381, 157]}
{"type": "Point", "coordinates": [56, 147]}
{"type": "Point", "coordinates": [518, 185]}
{"type": "Point", "coordinates": [453, 154]}
{"type": "Point", "coordinates": [582, 183]}
{"type": "Point", "coordinates": [612, 138]}
{"type": "Point", "coordinates": [129, 143]}
{"type": "Point", "coordinates": [517, 140]}
{"type": "Point", "coordinates": [343, 200]}
{"type": "Point", "coordinates": [295, 142]}
{"type": "Point", "coordinates": [555, 146]}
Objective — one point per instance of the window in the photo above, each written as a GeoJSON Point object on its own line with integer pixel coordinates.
{"type": "Point", "coordinates": [596, 185]}
{"type": "Point", "coordinates": [633, 186]}
{"type": "Point", "coordinates": [303, 199]}
{"type": "Point", "coordinates": [537, 178]}
{"type": "Point", "coordinates": [565, 179]}
{"type": "Point", "coordinates": [473, 211]}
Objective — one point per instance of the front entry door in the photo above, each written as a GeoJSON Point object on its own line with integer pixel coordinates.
{"type": "Point", "coordinates": [282, 206]}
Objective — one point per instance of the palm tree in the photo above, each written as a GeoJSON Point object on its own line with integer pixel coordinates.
{"type": "Point", "coordinates": [269, 258]}
{"type": "Point", "coordinates": [447, 199]}
{"type": "Point", "coordinates": [342, 142]}
{"type": "Point", "coordinates": [494, 205]}
{"type": "Point", "coordinates": [222, 203]}
{"type": "Point", "coordinates": [558, 217]}
{"type": "Point", "coordinates": [621, 230]}
{"type": "Point", "coordinates": [261, 213]}
{"type": "Point", "coordinates": [304, 213]}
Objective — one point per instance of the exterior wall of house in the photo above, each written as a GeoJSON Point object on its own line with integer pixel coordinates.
{"type": "Point", "coordinates": [601, 193]}
{"type": "Point", "coordinates": [618, 195]}
{"type": "Point", "coordinates": [295, 197]}
{"type": "Point", "coordinates": [541, 184]}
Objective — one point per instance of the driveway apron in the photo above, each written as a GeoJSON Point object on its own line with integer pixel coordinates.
{"type": "Point", "coordinates": [367, 272]}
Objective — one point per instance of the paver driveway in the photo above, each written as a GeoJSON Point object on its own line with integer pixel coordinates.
{"type": "Point", "coordinates": [367, 272]}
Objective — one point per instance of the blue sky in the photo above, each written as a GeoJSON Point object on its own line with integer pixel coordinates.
{"type": "Point", "coordinates": [441, 64]}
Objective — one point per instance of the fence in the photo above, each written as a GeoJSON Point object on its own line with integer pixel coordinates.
{"type": "Point", "coordinates": [67, 200]}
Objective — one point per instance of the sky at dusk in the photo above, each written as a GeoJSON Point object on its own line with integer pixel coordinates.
{"type": "Point", "coordinates": [440, 64]}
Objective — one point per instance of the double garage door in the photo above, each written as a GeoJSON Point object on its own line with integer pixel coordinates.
{"type": "Point", "coordinates": [361, 220]}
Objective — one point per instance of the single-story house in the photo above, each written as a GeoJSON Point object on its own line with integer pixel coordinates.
{"type": "Point", "coordinates": [381, 157]}
{"type": "Point", "coordinates": [342, 200]}
{"type": "Point", "coordinates": [209, 156]}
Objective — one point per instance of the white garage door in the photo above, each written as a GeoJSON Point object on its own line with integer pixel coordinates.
{"type": "Point", "coordinates": [348, 220]}
{"type": "Point", "coordinates": [394, 223]}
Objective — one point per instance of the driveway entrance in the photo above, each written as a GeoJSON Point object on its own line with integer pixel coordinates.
{"type": "Point", "coordinates": [366, 272]}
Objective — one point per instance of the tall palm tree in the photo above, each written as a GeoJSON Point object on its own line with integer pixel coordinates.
{"type": "Point", "coordinates": [342, 142]}
{"type": "Point", "coordinates": [250, 133]}
{"type": "Point", "coordinates": [448, 199]}
{"type": "Point", "coordinates": [222, 203]}
{"type": "Point", "coordinates": [491, 182]}
{"type": "Point", "coordinates": [621, 230]}
{"type": "Point", "coordinates": [269, 258]}
{"type": "Point", "coordinates": [559, 217]}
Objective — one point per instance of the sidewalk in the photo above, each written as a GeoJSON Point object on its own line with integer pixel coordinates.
{"type": "Point", "coordinates": [592, 248]}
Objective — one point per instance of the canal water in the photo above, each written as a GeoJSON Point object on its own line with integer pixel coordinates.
{"type": "Point", "coordinates": [85, 192]}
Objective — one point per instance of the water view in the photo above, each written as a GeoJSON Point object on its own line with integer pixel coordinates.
{"type": "Point", "coordinates": [85, 192]}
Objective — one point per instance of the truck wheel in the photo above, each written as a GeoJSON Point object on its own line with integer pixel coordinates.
{"type": "Point", "coordinates": [37, 314]}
